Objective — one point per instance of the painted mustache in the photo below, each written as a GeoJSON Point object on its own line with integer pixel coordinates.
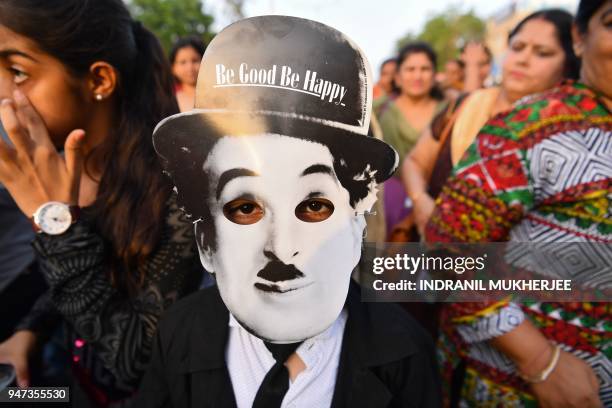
{"type": "Point", "coordinates": [277, 271]}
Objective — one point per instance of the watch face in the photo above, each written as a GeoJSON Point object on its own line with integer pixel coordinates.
{"type": "Point", "coordinates": [54, 218]}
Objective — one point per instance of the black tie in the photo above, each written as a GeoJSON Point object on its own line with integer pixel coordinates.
{"type": "Point", "coordinates": [276, 382]}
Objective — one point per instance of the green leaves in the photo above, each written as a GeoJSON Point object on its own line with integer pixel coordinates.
{"type": "Point", "coordinates": [171, 19]}
{"type": "Point", "coordinates": [447, 32]}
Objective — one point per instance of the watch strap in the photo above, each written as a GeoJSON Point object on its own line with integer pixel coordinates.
{"type": "Point", "coordinates": [75, 212]}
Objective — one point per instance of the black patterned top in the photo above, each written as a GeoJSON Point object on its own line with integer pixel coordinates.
{"type": "Point", "coordinates": [110, 333]}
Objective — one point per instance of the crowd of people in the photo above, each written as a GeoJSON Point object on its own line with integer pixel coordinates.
{"type": "Point", "coordinates": [528, 159]}
{"type": "Point", "coordinates": [502, 163]}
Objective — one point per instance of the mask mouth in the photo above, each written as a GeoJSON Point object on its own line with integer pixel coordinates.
{"type": "Point", "coordinates": [284, 287]}
{"type": "Point", "coordinates": [277, 271]}
{"type": "Point", "coordinates": [279, 277]}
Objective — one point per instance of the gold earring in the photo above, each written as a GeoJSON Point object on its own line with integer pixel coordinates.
{"type": "Point", "coordinates": [99, 97]}
{"type": "Point", "coordinates": [578, 50]}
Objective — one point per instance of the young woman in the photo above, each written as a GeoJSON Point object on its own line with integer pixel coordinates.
{"type": "Point", "coordinates": [185, 58]}
{"type": "Point", "coordinates": [404, 117]}
{"type": "Point", "coordinates": [85, 77]}
{"type": "Point", "coordinates": [556, 188]}
{"type": "Point", "coordinates": [539, 56]}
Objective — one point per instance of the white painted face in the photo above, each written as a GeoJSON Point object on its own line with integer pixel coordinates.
{"type": "Point", "coordinates": [287, 237]}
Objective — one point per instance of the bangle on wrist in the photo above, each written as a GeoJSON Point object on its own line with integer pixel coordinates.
{"type": "Point", "coordinates": [545, 373]}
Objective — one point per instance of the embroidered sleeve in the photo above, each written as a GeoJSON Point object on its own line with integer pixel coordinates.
{"type": "Point", "coordinates": [42, 318]}
{"type": "Point", "coordinates": [489, 192]}
{"type": "Point", "coordinates": [518, 166]}
{"type": "Point", "coordinates": [490, 323]}
{"type": "Point", "coordinates": [119, 327]}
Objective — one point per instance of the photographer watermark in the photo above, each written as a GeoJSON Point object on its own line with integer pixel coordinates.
{"type": "Point", "coordinates": [487, 272]}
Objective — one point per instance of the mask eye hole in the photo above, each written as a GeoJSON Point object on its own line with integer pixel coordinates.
{"type": "Point", "coordinates": [242, 211]}
{"type": "Point", "coordinates": [314, 210]}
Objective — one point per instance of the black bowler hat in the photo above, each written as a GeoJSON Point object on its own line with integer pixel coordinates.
{"type": "Point", "coordinates": [281, 75]}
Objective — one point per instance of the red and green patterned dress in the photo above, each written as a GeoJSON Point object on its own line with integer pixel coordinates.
{"type": "Point", "coordinates": [540, 173]}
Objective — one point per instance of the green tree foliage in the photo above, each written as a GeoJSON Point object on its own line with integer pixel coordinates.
{"type": "Point", "coordinates": [447, 32]}
{"type": "Point", "coordinates": [171, 19]}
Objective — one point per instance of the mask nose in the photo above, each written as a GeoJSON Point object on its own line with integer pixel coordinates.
{"type": "Point", "coordinates": [282, 240]}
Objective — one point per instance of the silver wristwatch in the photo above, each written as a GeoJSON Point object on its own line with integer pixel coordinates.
{"type": "Point", "coordinates": [54, 218]}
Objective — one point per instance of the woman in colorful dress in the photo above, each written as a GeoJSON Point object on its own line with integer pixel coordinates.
{"type": "Point", "coordinates": [539, 56]}
{"type": "Point", "coordinates": [550, 180]}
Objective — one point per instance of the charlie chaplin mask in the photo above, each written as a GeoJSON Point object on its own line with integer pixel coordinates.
{"type": "Point", "coordinates": [276, 170]}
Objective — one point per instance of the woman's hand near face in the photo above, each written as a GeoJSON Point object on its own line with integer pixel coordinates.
{"type": "Point", "coordinates": [474, 53]}
{"type": "Point", "coordinates": [473, 56]}
{"type": "Point", "coordinates": [32, 170]}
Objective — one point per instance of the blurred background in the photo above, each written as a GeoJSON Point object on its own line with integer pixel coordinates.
{"type": "Point", "coordinates": [379, 27]}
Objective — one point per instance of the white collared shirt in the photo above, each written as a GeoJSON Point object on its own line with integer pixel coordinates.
{"type": "Point", "coordinates": [248, 361]}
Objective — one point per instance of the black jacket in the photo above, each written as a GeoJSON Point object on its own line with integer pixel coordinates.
{"type": "Point", "coordinates": [387, 360]}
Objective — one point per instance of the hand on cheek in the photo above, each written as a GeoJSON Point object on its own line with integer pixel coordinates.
{"type": "Point", "coordinates": [31, 169]}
